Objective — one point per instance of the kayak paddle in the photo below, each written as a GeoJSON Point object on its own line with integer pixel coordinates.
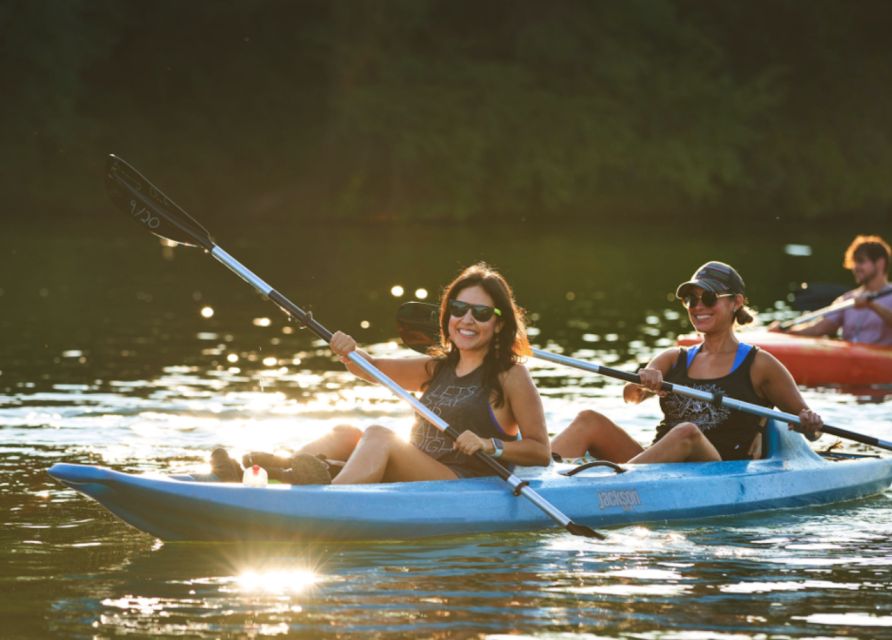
{"type": "Point", "coordinates": [419, 329]}
{"type": "Point", "coordinates": [783, 326]}
{"type": "Point", "coordinates": [139, 198]}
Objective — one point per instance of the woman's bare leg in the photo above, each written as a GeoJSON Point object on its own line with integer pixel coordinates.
{"type": "Point", "coordinates": [382, 456]}
{"type": "Point", "coordinates": [594, 433]}
{"type": "Point", "coordinates": [684, 443]}
{"type": "Point", "coordinates": [337, 444]}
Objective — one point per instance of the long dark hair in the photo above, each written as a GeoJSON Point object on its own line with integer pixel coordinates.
{"type": "Point", "coordinates": [508, 345]}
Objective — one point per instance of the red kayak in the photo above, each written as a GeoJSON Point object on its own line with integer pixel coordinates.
{"type": "Point", "coordinates": [820, 361]}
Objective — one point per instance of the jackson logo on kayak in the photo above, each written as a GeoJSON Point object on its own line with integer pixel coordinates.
{"type": "Point", "coordinates": [627, 499]}
{"type": "Point", "coordinates": [144, 215]}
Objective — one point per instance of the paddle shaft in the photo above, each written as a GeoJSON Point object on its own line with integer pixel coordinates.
{"type": "Point", "coordinates": [707, 396]}
{"type": "Point", "coordinates": [808, 317]}
{"type": "Point", "coordinates": [146, 202]}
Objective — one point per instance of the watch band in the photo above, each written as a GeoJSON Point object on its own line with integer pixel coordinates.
{"type": "Point", "coordinates": [498, 447]}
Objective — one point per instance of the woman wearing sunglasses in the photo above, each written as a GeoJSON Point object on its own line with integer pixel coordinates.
{"type": "Point", "coordinates": [474, 381]}
{"type": "Point", "coordinates": [694, 430]}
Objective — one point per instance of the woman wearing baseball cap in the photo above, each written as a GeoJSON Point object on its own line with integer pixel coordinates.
{"type": "Point", "coordinates": [695, 430]}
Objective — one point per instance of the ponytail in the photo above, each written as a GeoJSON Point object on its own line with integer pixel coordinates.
{"type": "Point", "coordinates": [743, 315]}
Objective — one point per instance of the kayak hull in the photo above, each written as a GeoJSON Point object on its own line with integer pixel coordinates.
{"type": "Point", "coordinates": [176, 509]}
{"type": "Point", "coordinates": [817, 362]}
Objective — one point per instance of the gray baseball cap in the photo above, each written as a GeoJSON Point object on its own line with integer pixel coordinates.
{"type": "Point", "coordinates": [714, 276]}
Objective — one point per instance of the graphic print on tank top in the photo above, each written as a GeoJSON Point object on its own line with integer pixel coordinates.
{"type": "Point", "coordinates": [442, 400]}
{"type": "Point", "coordinates": [706, 415]}
{"type": "Point", "coordinates": [463, 403]}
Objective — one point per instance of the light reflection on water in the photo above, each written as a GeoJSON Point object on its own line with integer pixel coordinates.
{"type": "Point", "coordinates": [146, 389]}
{"type": "Point", "coordinates": [685, 582]}
{"type": "Point", "coordinates": [819, 572]}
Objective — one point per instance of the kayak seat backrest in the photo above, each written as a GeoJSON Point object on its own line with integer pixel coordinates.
{"type": "Point", "coordinates": [778, 441]}
{"type": "Point", "coordinates": [770, 439]}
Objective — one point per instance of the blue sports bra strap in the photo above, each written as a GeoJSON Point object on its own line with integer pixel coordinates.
{"type": "Point", "coordinates": [692, 352]}
{"type": "Point", "coordinates": [743, 350]}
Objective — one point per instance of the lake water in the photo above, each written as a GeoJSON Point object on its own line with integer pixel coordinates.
{"type": "Point", "coordinates": [109, 359]}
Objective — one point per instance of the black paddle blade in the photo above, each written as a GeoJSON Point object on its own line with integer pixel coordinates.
{"type": "Point", "coordinates": [418, 325]}
{"type": "Point", "coordinates": [584, 531]}
{"type": "Point", "coordinates": [144, 202]}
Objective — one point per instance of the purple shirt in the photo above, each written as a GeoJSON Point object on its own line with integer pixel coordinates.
{"type": "Point", "coordinates": [862, 325]}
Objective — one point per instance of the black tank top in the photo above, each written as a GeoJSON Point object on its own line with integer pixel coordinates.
{"type": "Point", "coordinates": [463, 402]}
{"type": "Point", "coordinates": [730, 432]}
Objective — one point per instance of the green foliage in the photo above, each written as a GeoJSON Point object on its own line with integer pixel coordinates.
{"type": "Point", "coordinates": [455, 110]}
{"type": "Point", "coordinates": [539, 110]}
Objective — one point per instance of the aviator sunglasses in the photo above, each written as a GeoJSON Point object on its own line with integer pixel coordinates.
{"type": "Point", "coordinates": [708, 299]}
{"type": "Point", "coordinates": [481, 312]}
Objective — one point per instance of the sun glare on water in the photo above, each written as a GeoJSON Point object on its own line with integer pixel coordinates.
{"type": "Point", "coordinates": [278, 582]}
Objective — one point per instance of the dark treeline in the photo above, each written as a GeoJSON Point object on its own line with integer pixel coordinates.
{"type": "Point", "coordinates": [453, 109]}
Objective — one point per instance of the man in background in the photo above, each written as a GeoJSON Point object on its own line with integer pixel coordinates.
{"type": "Point", "coordinates": [869, 318]}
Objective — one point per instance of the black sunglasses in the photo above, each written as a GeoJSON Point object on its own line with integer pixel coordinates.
{"type": "Point", "coordinates": [481, 312]}
{"type": "Point", "coordinates": [708, 299]}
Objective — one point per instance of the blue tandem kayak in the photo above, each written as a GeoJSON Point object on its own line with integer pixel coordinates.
{"type": "Point", "coordinates": [792, 475]}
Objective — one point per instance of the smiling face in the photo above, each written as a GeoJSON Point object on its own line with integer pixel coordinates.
{"type": "Point", "coordinates": [467, 333]}
{"type": "Point", "coordinates": [719, 317]}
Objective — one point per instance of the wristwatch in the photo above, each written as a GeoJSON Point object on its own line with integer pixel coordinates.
{"type": "Point", "coordinates": [498, 448]}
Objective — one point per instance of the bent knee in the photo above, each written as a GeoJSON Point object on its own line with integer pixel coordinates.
{"type": "Point", "coordinates": [347, 433]}
{"type": "Point", "coordinates": [589, 417]}
{"type": "Point", "coordinates": [687, 431]}
{"type": "Point", "coordinates": [378, 433]}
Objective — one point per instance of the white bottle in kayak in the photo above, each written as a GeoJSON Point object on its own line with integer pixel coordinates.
{"type": "Point", "coordinates": [255, 476]}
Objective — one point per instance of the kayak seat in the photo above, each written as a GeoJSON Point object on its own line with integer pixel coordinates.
{"type": "Point", "coordinates": [778, 441]}
{"type": "Point", "coordinates": [770, 440]}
